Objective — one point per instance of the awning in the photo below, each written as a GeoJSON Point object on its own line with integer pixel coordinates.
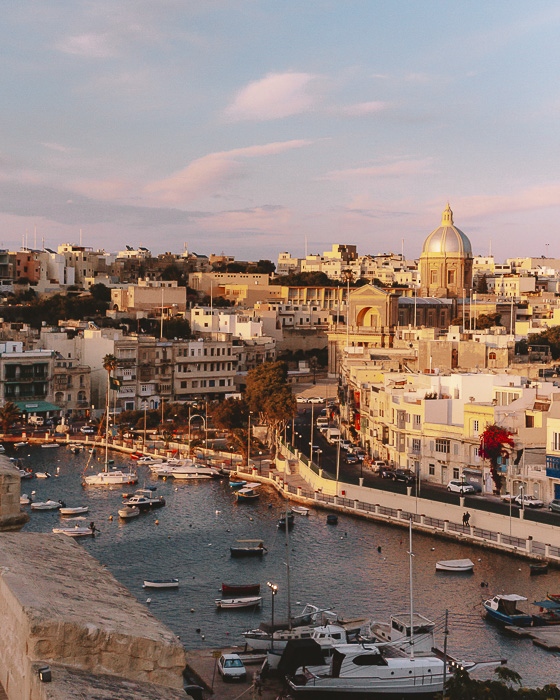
{"type": "Point", "coordinates": [36, 406]}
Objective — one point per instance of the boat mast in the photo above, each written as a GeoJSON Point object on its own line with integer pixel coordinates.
{"type": "Point", "coordinates": [107, 423]}
{"type": "Point", "coordinates": [410, 555]}
{"type": "Point", "coordinates": [288, 571]}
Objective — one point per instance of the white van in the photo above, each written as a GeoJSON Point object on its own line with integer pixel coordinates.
{"type": "Point", "coordinates": [322, 422]}
{"type": "Point", "coordinates": [333, 435]}
{"type": "Point", "coordinates": [36, 420]}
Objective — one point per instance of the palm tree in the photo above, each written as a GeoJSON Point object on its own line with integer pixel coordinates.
{"type": "Point", "coordinates": [110, 363]}
{"type": "Point", "coordinates": [9, 414]}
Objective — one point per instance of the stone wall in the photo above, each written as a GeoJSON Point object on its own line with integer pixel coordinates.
{"type": "Point", "coordinates": [59, 605]}
{"type": "Point", "coordinates": [11, 517]}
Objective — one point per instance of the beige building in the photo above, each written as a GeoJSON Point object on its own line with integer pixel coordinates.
{"type": "Point", "coordinates": [147, 296]}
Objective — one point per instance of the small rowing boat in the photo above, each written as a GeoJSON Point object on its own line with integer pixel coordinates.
{"type": "Point", "coordinates": [247, 602]}
{"type": "Point", "coordinates": [300, 510]}
{"type": "Point", "coordinates": [161, 583]}
{"type": "Point", "coordinates": [457, 566]}
{"type": "Point", "coordinates": [78, 510]}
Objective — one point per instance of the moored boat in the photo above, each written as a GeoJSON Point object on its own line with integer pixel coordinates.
{"type": "Point", "coordinates": [42, 475]}
{"type": "Point", "coordinates": [246, 495]}
{"type": "Point", "coordinates": [538, 568]}
{"type": "Point", "coordinates": [48, 445]}
{"type": "Point", "coordinates": [161, 583]}
{"type": "Point", "coordinates": [75, 531]}
{"type": "Point", "coordinates": [332, 519]}
{"type": "Point", "coordinates": [78, 510]}
{"type": "Point", "coordinates": [549, 613]}
{"type": "Point", "coordinates": [46, 505]}
{"type": "Point", "coordinates": [237, 484]}
{"type": "Point", "coordinates": [287, 519]}
{"type": "Point", "coordinates": [144, 499]}
{"type": "Point", "coordinates": [128, 512]}
{"type": "Point", "coordinates": [111, 478]}
{"type": "Point", "coordinates": [235, 589]}
{"type": "Point", "coordinates": [503, 608]}
{"type": "Point", "coordinates": [455, 565]}
{"type": "Point", "coordinates": [248, 548]}
{"type": "Point", "coordinates": [24, 500]}
{"type": "Point", "coordinates": [300, 510]}
{"type": "Point", "coordinates": [244, 602]}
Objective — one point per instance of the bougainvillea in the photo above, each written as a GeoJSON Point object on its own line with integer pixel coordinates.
{"type": "Point", "coordinates": [494, 443]}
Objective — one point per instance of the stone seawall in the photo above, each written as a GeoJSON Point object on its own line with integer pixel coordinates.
{"type": "Point", "coordinates": [11, 517]}
{"type": "Point", "coordinates": [59, 605]}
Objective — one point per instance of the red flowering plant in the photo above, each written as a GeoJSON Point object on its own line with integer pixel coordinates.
{"type": "Point", "coordinates": [494, 443]}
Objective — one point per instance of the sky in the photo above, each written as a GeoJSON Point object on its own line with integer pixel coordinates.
{"type": "Point", "coordinates": [252, 127]}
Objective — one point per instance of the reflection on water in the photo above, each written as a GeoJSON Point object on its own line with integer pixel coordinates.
{"type": "Point", "coordinates": [337, 565]}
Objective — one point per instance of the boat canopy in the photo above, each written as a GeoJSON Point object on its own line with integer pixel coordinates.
{"type": "Point", "coordinates": [300, 652]}
{"type": "Point", "coordinates": [547, 604]}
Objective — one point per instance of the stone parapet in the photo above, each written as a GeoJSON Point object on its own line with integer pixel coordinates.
{"type": "Point", "coordinates": [11, 516]}
{"type": "Point", "coordinates": [59, 605]}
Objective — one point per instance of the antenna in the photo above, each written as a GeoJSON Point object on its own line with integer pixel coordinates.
{"type": "Point", "coordinates": [80, 237]}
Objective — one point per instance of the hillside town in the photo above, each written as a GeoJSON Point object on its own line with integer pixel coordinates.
{"type": "Point", "coordinates": [425, 353]}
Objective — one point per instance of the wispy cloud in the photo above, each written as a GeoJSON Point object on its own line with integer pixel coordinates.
{"type": "Point", "coordinates": [275, 96]}
{"type": "Point", "coordinates": [58, 147]}
{"type": "Point", "coordinates": [206, 175]}
{"type": "Point", "coordinates": [399, 168]}
{"type": "Point", "coordinates": [88, 46]}
{"type": "Point", "coordinates": [543, 196]}
{"type": "Point", "coordinates": [363, 108]}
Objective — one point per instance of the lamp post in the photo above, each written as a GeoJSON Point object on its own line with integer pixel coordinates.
{"type": "Point", "coordinates": [145, 407]}
{"type": "Point", "coordinates": [260, 461]}
{"type": "Point", "coordinates": [274, 590]}
{"type": "Point", "coordinates": [249, 440]}
{"type": "Point", "coordinates": [311, 435]}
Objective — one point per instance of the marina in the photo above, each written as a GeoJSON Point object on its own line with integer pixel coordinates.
{"type": "Point", "coordinates": [359, 568]}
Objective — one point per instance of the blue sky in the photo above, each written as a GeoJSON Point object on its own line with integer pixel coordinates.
{"type": "Point", "coordinates": [251, 127]}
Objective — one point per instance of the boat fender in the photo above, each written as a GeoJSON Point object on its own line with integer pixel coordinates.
{"type": "Point", "coordinates": [110, 517]}
{"type": "Point", "coordinates": [192, 610]}
{"type": "Point", "coordinates": [156, 522]}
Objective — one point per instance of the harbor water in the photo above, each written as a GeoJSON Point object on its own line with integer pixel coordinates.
{"type": "Point", "coordinates": [359, 568]}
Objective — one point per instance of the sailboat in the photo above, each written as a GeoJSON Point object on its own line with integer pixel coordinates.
{"type": "Point", "coordinates": [114, 476]}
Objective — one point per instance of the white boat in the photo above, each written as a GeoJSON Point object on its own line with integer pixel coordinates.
{"type": "Point", "coordinates": [186, 471]}
{"type": "Point", "coordinates": [128, 512]}
{"type": "Point", "coordinates": [2, 449]}
{"type": "Point", "coordinates": [74, 531]}
{"type": "Point", "coordinates": [455, 565]}
{"type": "Point", "coordinates": [147, 459]}
{"type": "Point", "coordinates": [300, 510]}
{"type": "Point", "coordinates": [325, 635]}
{"type": "Point", "coordinates": [23, 443]}
{"type": "Point", "coordinates": [247, 602]}
{"type": "Point", "coordinates": [24, 500]}
{"type": "Point", "coordinates": [46, 505]}
{"type": "Point", "coordinates": [47, 445]}
{"type": "Point", "coordinates": [78, 510]}
{"type": "Point", "coordinates": [144, 500]}
{"type": "Point", "coordinates": [42, 475]}
{"type": "Point", "coordinates": [161, 583]}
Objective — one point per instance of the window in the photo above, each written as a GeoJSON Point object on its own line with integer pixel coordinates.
{"type": "Point", "coordinates": [432, 469]}
{"type": "Point", "coordinates": [417, 421]}
{"type": "Point", "coordinates": [416, 445]}
{"type": "Point", "coordinates": [556, 442]}
{"type": "Point", "coordinates": [183, 385]}
{"type": "Point", "coordinates": [475, 425]}
{"type": "Point", "coordinates": [442, 445]}
{"type": "Point", "coordinates": [455, 472]}
{"type": "Point", "coordinates": [433, 276]}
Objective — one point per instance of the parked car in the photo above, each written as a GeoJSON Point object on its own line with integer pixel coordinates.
{"type": "Point", "coordinates": [345, 444]}
{"type": "Point", "coordinates": [385, 471]}
{"type": "Point", "coordinates": [87, 429]}
{"type": "Point", "coordinates": [351, 459]}
{"type": "Point", "coordinates": [406, 475]}
{"type": "Point", "coordinates": [554, 505]}
{"type": "Point", "coordinates": [231, 668]}
{"type": "Point", "coordinates": [301, 399]}
{"type": "Point", "coordinates": [528, 501]}
{"type": "Point", "coordinates": [458, 486]}
{"type": "Point", "coordinates": [315, 399]}
{"type": "Point", "coordinates": [507, 498]}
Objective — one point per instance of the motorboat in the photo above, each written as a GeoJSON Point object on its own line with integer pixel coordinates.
{"type": "Point", "coordinates": [77, 510]}
{"type": "Point", "coordinates": [239, 589]}
{"type": "Point", "coordinates": [237, 484]}
{"type": "Point", "coordinates": [503, 608]}
{"type": "Point", "coordinates": [246, 495]}
{"type": "Point", "coordinates": [2, 449]}
{"type": "Point", "coordinates": [161, 583]}
{"type": "Point", "coordinates": [245, 602]}
{"type": "Point", "coordinates": [42, 475]}
{"type": "Point", "coordinates": [332, 519]}
{"type": "Point", "coordinates": [22, 443]}
{"type": "Point", "coordinates": [326, 635]}
{"type": "Point", "coordinates": [75, 531]}
{"type": "Point", "coordinates": [75, 447]}
{"type": "Point", "coordinates": [455, 565]}
{"type": "Point", "coordinates": [114, 477]}
{"type": "Point", "coordinates": [549, 613]}
{"type": "Point", "coordinates": [148, 459]}
{"type": "Point", "coordinates": [286, 520]}
{"type": "Point", "coordinates": [300, 510]}
{"type": "Point", "coordinates": [24, 500]}
{"type": "Point", "coordinates": [46, 505]}
{"type": "Point", "coordinates": [188, 470]}
{"type": "Point", "coordinates": [128, 512]}
{"type": "Point", "coordinates": [48, 445]}
{"type": "Point", "coordinates": [310, 617]}
{"type": "Point", "coordinates": [145, 500]}
{"type": "Point", "coordinates": [248, 548]}
{"type": "Point", "coordinates": [370, 671]}
{"type": "Point", "coordinates": [26, 473]}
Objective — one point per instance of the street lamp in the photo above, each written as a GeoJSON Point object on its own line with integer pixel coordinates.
{"type": "Point", "coordinates": [274, 590]}
{"type": "Point", "coordinates": [145, 407]}
{"type": "Point", "coordinates": [249, 439]}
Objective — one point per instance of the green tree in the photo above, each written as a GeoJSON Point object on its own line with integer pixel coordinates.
{"type": "Point", "coordinates": [100, 292]}
{"type": "Point", "coordinates": [550, 337]}
{"type": "Point", "coordinates": [177, 328]}
{"type": "Point", "coordinates": [494, 443]}
{"type": "Point", "coordinates": [9, 414]}
{"type": "Point", "coordinates": [233, 415]}
{"type": "Point", "coordinates": [305, 279]}
{"type": "Point", "coordinates": [485, 321]}
{"type": "Point", "coordinates": [270, 397]}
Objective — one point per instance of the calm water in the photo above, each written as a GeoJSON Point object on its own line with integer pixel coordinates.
{"type": "Point", "coordinates": [330, 565]}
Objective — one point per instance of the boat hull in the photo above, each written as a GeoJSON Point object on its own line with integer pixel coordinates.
{"type": "Point", "coordinates": [516, 620]}
{"type": "Point", "coordinates": [74, 511]}
{"type": "Point", "coordinates": [248, 602]}
{"type": "Point", "coordinates": [457, 566]}
{"type": "Point", "coordinates": [161, 583]}
{"type": "Point", "coordinates": [129, 512]}
{"type": "Point", "coordinates": [246, 552]}
{"type": "Point", "coordinates": [114, 478]}
{"type": "Point", "coordinates": [234, 590]}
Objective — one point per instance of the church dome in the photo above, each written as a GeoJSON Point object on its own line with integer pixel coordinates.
{"type": "Point", "coordinates": [447, 238]}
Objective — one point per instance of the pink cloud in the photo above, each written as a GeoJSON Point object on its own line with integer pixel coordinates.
{"type": "Point", "coordinates": [88, 46]}
{"type": "Point", "coordinates": [206, 175]}
{"type": "Point", "coordinates": [537, 197]}
{"type": "Point", "coordinates": [362, 108]}
{"type": "Point", "coordinates": [275, 96]}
